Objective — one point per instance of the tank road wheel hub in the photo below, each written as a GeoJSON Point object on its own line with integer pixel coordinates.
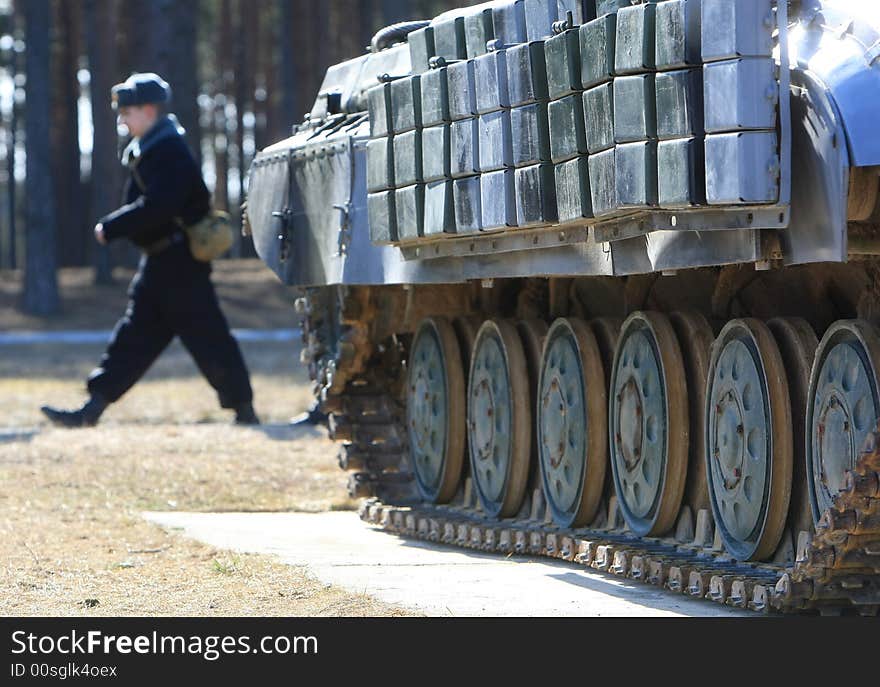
{"type": "Point", "coordinates": [435, 410]}
{"type": "Point", "coordinates": [571, 416]}
{"type": "Point", "coordinates": [648, 424]}
{"type": "Point", "coordinates": [748, 439]}
{"type": "Point", "coordinates": [842, 407]}
{"type": "Point", "coordinates": [499, 419]}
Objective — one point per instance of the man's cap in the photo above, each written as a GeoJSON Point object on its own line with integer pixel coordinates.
{"type": "Point", "coordinates": [141, 89]}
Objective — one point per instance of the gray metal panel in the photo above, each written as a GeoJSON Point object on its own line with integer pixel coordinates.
{"type": "Point", "coordinates": [634, 48]}
{"type": "Point", "coordinates": [490, 77]}
{"type": "Point", "coordinates": [509, 21]}
{"type": "Point", "coordinates": [421, 48]}
{"type": "Point", "coordinates": [434, 91]}
{"type": "Point", "coordinates": [526, 73]}
{"type": "Point", "coordinates": [379, 103]}
{"type": "Point", "coordinates": [568, 136]}
{"type": "Point", "coordinates": [597, 40]}
{"type": "Point", "coordinates": [380, 164]}
{"type": "Point", "coordinates": [439, 209]}
{"type": "Point", "coordinates": [406, 104]}
{"type": "Point", "coordinates": [436, 153]}
{"type": "Point", "coordinates": [462, 93]}
{"type": "Point", "coordinates": [679, 103]}
{"type": "Point", "coordinates": [742, 168]}
{"type": "Point", "coordinates": [599, 116]}
{"type": "Point", "coordinates": [635, 108]}
{"type": "Point", "coordinates": [449, 38]}
{"type": "Point", "coordinates": [681, 173]}
{"type": "Point", "coordinates": [500, 213]}
{"type": "Point", "coordinates": [408, 158]}
{"type": "Point", "coordinates": [847, 67]}
{"type": "Point", "coordinates": [410, 207]}
{"type": "Point", "coordinates": [740, 94]}
{"type": "Point", "coordinates": [677, 43]}
{"type": "Point", "coordinates": [496, 146]}
{"type": "Point", "coordinates": [737, 29]}
{"type": "Point", "coordinates": [382, 217]}
{"type": "Point", "coordinates": [603, 183]}
{"type": "Point", "coordinates": [468, 210]}
{"type": "Point", "coordinates": [464, 144]}
{"type": "Point", "coordinates": [540, 15]}
{"type": "Point", "coordinates": [636, 175]}
{"type": "Point", "coordinates": [820, 177]}
{"type": "Point", "coordinates": [530, 131]}
{"type": "Point", "coordinates": [573, 200]}
{"type": "Point", "coordinates": [479, 30]}
{"type": "Point", "coordinates": [562, 55]}
{"type": "Point", "coordinates": [535, 195]}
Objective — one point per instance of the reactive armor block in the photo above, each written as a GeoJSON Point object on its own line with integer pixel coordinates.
{"type": "Point", "coordinates": [740, 94]}
{"type": "Point", "coordinates": [603, 189]}
{"type": "Point", "coordinates": [478, 31]}
{"type": "Point", "coordinates": [535, 195]}
{"type": "Point", "coordinates": [530, 131]}
{"type": "Point", "coordinates": [527, 73]}
{"type": "Point", "coordinates": [563, 58]}
{"type": "Point", "coordinates": [496, 146]}
{"type": "Point", "coordinates": [382, 217]}
{"type": "Point", "coordinates": [509, 22]}
{"type": "Point", "coordinates": [380, 164]}
{"type": "Point", "coordinates": [408, 158]}
{"type": "Point", "coordinates": [677, 43]}
{"type": "Point", "coordinates": [568, 136]}
{"type": "Point", "coordinates": [379, 107]}
{"type": "Point", "coordinates": [449, 39]}
{"type": "Point", "coordinates": [468, 211]}
{"type": "Point", "coordinates": [499, 212]}
{"type": "Point", "coordinates": [421, 48]}
{"type": "Point", "coordinates": [409, 205]}
{"type": "Point", "coordinates": [434, 89]}
{"type": "Point", "coordinates": [464, 144]}
{"type": "Point", "coordinates": [742, 168]}
{"type": "Point", "coordinates": [436, 155]}
{"type": "Point", "coordinates": [406, 104]}
{"type": "Point", "coordinates": [636, 175]}
{"type": "Point", "coordinates": [737, 29]}
{"type": "Point", "coordinates": [679, 103]}
{"type": "Point", "coordinates": [573, 200]}
{"type": "Point", "coordinates": [599, 117]}
{"type": "Point", "coordinates": [582, 11]}
{"type": "Point", "coordinates": [598, 39]}
{"type": "Point", "coordinates": [462, 90]}
{"type": "Point", "coordinates": [634, 47]}
{"type": "Point", "coordinates": [439, 208]}
{"type": "Point", "coordinates": [540, 15]}
{"type": "Point", "coordinates": [606, 7]}
{"type": "Point", "coordinates": [490, 78]}
{"type": "Point", "coordinates": [635, 108]}
{"type": "Point", "coordinates": [681, 176]}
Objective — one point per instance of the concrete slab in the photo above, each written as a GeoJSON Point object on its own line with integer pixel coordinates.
{"type": "Point", "coordinates": [434, 579]}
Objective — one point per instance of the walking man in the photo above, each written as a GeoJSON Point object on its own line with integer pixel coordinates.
{"type": "Point", "coordinates": [171, 294]}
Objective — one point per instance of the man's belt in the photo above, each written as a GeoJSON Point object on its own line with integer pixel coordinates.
{"type": "Point", "coordinates": [164, 244]}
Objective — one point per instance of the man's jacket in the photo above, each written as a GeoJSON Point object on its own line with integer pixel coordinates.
{"type": "Point", "coordinates": [173, 188]}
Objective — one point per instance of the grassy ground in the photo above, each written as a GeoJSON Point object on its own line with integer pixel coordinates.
{"type": "Point", "coordinates": [71, 537]}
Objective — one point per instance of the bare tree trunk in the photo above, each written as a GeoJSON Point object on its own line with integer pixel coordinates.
{"type": "Point", "coordinates": [71, 232]}
{"type": "Point", "coordinates": [289, 103]}
{"type": "Point", "coordinates": [101, 21]}
{"type": "Point", "coordinates": [40, 295]}
{"type": "Point", "coordinates": [221, 125]}
{"type": "Point", "coordinates": [12, 142]}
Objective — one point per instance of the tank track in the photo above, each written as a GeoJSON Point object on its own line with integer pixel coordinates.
{"type": "Point", "coordinates": [836, 570]}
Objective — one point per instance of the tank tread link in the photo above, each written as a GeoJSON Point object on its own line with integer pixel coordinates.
{"type": "Point", "coordinates": [604, 292]}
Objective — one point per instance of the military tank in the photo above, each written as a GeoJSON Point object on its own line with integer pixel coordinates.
{"type": "Point", "coordinates": [599, 281]}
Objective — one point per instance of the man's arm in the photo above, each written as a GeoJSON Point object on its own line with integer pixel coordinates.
{"type": "Point", "coordinates": [167, 173]}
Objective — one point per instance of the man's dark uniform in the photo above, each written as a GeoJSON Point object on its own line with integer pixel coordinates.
{"type": "Point", "coordinates": [171, 294]}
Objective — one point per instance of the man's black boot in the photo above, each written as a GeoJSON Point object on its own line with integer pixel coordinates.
{"type": "Point", "coordinates": [313, 416]}
{"type": "Point", "coordinates": [245, 415]}
{"type": "Point", "coordinates": [87, 416]}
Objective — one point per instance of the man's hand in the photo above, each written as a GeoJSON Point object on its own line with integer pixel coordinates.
{"type": "Point", "coordinates": [99, 234]}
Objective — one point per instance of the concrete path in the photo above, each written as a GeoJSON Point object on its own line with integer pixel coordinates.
{"type": "Point", "coordinates": [434, 579]}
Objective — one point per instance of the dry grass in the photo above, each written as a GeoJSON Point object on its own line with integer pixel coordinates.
{"type": "Point", "coordinates": [71, 537]}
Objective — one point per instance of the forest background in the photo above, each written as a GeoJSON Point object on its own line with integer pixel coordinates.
{"type": "Point", "coordinates": [243, 72]}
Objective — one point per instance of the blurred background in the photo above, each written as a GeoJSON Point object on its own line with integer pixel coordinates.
{"type": "Point", "coordinates": [242, 72]}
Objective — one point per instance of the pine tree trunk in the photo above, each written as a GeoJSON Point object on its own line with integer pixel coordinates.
{"type": "Point", "coordinates": [289, 113]}
{"type": "Point", "coordinates": [40, 295]}
{"type": "Point", "coordinates": [221, 124]}
{"type": "Point", "coordinates": [101, 21]}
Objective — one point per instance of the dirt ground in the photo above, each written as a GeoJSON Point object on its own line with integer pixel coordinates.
{"type": "Point", "coordinates": [72, 541]}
